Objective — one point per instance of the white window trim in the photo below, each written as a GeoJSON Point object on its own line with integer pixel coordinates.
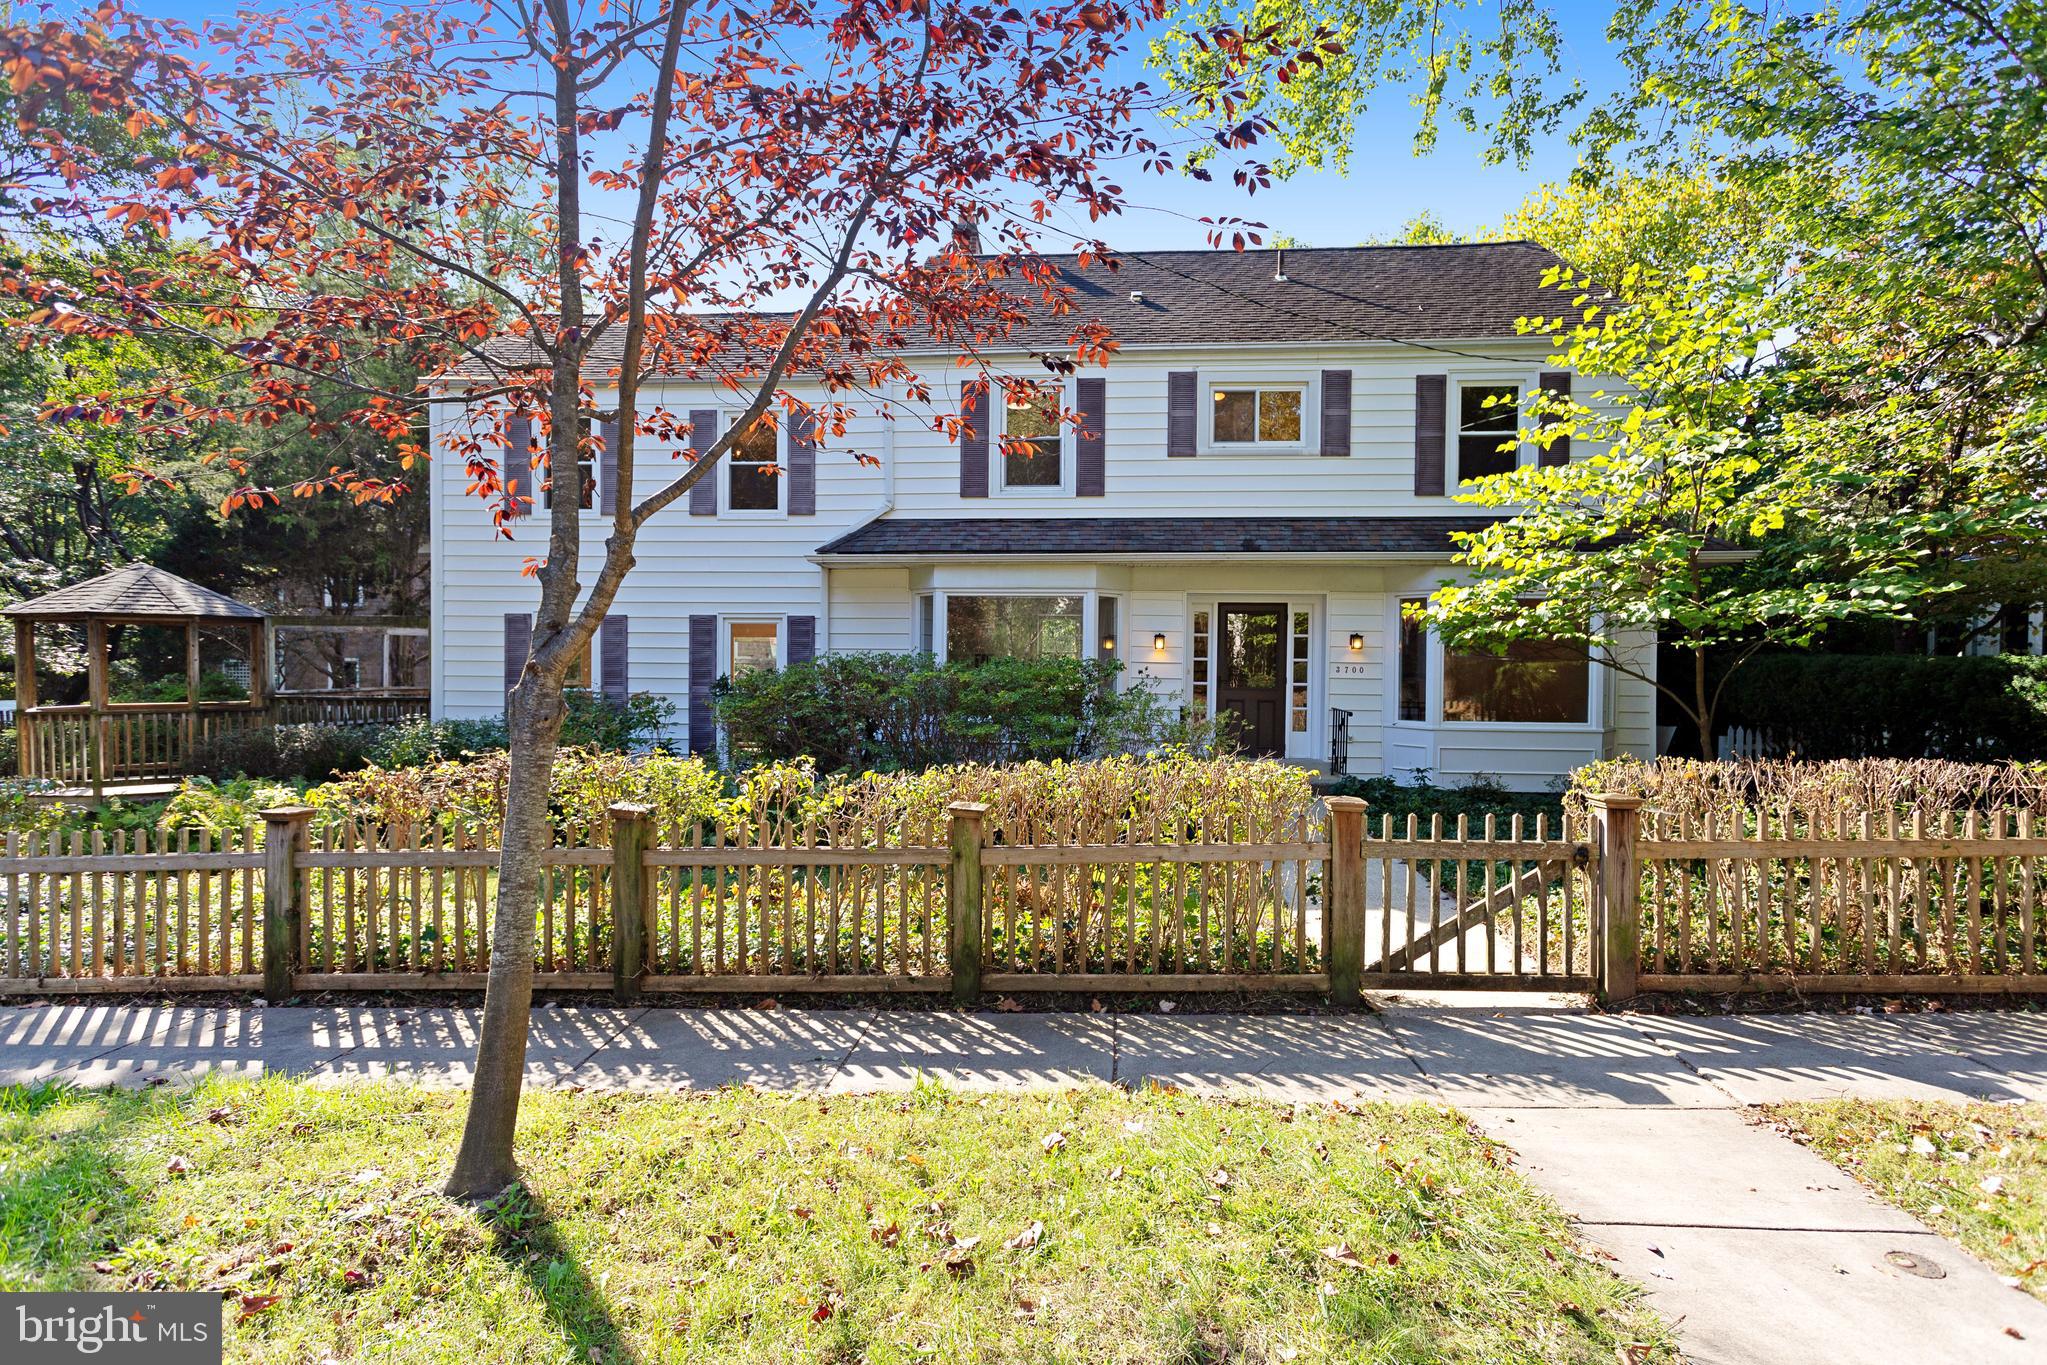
{"type": "Point", "coordinates": [1310, 386]}
{"type": "Point", "coordinates": [1596, 684]}
{"type": "Point", "coordinates": [1526, 453]}
{"type": "Point", "coordinates": [726, 421]}
{"type": "Point", "coordinates": [998, 468]}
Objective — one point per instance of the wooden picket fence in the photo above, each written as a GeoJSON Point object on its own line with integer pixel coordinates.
{"type": "Point", "coordinates": [1320, 899]}
{"type": "Point", "coordinates": [1760, 899]}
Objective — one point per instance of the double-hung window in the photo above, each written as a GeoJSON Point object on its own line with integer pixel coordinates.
{"type": "Point", "coordinates": [1488, 420]}
{"type": "Point", "coordinates": [753, 469]}
{"type": "Point", "coordinates": [1033, 453]}
{"type": "Point", "coordinates": [586, 468]}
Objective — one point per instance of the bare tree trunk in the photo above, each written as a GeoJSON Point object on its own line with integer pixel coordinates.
{"type": "Point", "coordinates": [1703, 715]}
{"type": "Point", "coordinates": [485, 1164]}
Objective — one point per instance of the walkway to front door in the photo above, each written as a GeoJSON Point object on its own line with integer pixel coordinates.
{"type": "Point", "coordinates": [1251, 673]}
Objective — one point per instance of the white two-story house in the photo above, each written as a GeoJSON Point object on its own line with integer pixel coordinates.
{"type": "Point", "coordinates": [1261, 476]}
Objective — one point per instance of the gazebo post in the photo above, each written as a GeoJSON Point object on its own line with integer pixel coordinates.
{"type": "Point", "coordinates": [191, 689]}
{"type": "Point", "coordinates": [24, 693]}
{"type": "Point", "coordinates": [259, 664]}
{"type": "Point", "coordinates": [96, 700]}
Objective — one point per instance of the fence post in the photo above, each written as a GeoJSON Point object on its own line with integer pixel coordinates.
{"type": "Point", "coordinates": [284, 838]}
{"type": "Point", "coordinates": [963, 900]}
{"type": "Point", "coordinates": [630, 903]}
{"type": "Point", "coordinates": [1615, 821]}
{"type": "Point", "coordinates": [1343, 902]}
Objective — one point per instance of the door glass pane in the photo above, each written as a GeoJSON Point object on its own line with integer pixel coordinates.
{"type": "Point", "coordinates": [980, 628]}
{"type": "Point", "coordinates": [1252, 649]}
{"type": "Point", "coordinates": [1198, 663]}
{"type": "Point", "coordinates": [1105, 613]}
{"type": "Point", "coordinates": [1534, 681]}
{"type": "Point", "coordinates": [753, 647]}
{"type": "Point", "coordinates": [1299, 722]}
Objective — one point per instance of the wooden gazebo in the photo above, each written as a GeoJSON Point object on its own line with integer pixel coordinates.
{"type": "Point", "coordinates": [101, 742]}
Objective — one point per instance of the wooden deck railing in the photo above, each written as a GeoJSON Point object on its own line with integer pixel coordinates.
{"type": "Point", "coordinates": [153, 741]}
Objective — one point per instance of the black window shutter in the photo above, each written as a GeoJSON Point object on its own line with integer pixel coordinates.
{"type": "Point", "coordinates": [803, 465]}
{"type": "Point", "coordinates": [1336, 412]}
{"type": "Point", "coordinates": [517, 465]}
{"type": "Point", "coordinates": [612, 679]}
{"type": "Point", "coordinates": [1091, 442]}
{"type": "Point", "coordinates": [802, 639]}
{"type": "Point", "coordinates": [703, 434]}
{"type": "Point", "coordinates": [607, 468]}
{"type": "Point", "coordinates": [518, 644]}
{"type": "Point", "coordinates": [703, 670]}
{"type": "Point", "coordinates": [1181, 410]}
{"type": "Point", "coordinates": [1431, 413]}
{"type": "Point", "coordinates": [1558, 451]}
{"type": "Point", "coordinates": [974, 439]}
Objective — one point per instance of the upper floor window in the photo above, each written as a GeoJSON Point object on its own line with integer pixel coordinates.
{"type": "Point", "coordinates": [754, 471]}
{"type": "Point", "coordinates": [1254, 416]}
{"type": "Point", "coordinates": [1033, 441]}
{"type": "Point", "coordinates": [586, 468]}
{"type": "Point", "coordinates": [1488, 416]}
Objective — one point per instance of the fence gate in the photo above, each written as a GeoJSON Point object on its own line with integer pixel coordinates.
{"type": "Point", "coordinates": [1496, 905]}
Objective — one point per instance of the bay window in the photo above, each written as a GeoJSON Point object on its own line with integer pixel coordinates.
{"type": "Point", "coordinates": [978, 628]}
{"type": "Point", "coordinates": [1534, 682]}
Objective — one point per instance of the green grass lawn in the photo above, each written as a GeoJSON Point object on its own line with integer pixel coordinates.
{"type": "Point", "coordinates": [1976, 1172]}
{"type": "Point", "coordinates": [1085, 1226]}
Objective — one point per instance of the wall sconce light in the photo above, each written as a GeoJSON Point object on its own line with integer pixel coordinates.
{"type": "Point", "coordinates": [1108, 644]}
{"type": "Point", "coordinates": [1357, 641]}
{"type": "Point", "coordinates": [1158, 642]}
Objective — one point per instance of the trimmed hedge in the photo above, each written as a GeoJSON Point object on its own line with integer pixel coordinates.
{"type": "Point", "coordinates": [1970, 708]}
{"type": "Point", "coordinates": [892, 712]}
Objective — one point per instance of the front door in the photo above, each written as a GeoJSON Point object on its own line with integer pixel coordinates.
{"type": "Point", "coordinates": [1251, 674]}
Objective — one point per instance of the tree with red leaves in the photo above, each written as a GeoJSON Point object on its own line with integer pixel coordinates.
{"type": "Point", "coordinates": [508, 189]}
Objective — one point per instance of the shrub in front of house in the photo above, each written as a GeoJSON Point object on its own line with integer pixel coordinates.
{"type": "Point", "coordinates": [306, 753]}
{"type": "Point", "coordinates": [895, 712]}
{"type": "Point", "coordinates": [1829, 790]}
{"type": "Point", "coordinates": [1979, 708]}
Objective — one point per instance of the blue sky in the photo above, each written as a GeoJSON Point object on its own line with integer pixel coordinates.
{"type": "Point", "coordinates": [1385, 186]}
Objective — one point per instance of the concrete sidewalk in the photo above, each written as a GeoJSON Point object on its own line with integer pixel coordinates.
{"type": "Point", "coordinates": [1637, 1124]}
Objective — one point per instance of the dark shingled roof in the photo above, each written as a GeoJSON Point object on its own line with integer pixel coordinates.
{"type": "Point", "coordinates": [1107, 537]}
{"type": "Point", "coordinates": [1350, 294]}
{"type": "Point", "coordinates": [136, 590]}
{"type": "Point", "coordinates": [1360, 294]}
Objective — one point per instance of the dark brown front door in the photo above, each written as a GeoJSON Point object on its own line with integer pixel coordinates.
{"type": "Point", "coordinates": [1251, 674]}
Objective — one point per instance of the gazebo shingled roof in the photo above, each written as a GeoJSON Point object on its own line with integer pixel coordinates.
{"type": "Point", "coordinates": [136, 590]}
